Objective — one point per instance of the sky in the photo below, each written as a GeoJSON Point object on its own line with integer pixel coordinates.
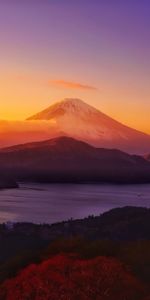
{"type": "Point", "coordinates": [95, 50]}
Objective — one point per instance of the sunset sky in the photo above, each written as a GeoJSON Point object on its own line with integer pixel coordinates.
{"type": "Point", "coordinates": [96, 50]}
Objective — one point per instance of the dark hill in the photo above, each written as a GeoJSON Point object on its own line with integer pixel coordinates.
{"type": "Point", "coordinates": [68, 160]}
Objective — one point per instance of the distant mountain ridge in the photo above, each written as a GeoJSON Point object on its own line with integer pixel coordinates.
{"type": "Point", "coordinates": [76, 119]}
{"type": "Point", "coordinates": [65, 159]}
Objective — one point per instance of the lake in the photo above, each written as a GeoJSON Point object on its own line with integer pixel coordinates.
{"type": "Point", "coordinates": [49, 203]}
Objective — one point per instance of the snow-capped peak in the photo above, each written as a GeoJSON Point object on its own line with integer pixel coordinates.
{"type": "Point", "coordinates": [75, 104]}
{"type": "Point", "coordinates": [66, 106]}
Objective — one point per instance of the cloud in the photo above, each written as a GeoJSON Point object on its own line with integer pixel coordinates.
{"type": "Point", "coordinates": [71, 85]}
{"type": "Point", "coordinates": [20, 132]}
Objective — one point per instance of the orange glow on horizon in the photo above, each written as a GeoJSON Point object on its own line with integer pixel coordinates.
{"type": "Point", "coordinates": [22, 96]}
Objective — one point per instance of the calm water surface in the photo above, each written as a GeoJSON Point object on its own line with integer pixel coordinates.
{"type": "Point", "coordinates": [50, 203]}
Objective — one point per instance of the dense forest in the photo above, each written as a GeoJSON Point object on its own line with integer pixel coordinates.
{"type": "Point", "coordinates": [103, 257]}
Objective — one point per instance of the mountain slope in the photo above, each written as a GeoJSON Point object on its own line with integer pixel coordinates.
{"type": "Point", "coordinates": [68, 160]}
{"type": "Point", "coordinates": [76, 119]}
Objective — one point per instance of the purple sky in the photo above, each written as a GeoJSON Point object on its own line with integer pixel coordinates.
{"type": "Point", "coordinates": [98, 43]}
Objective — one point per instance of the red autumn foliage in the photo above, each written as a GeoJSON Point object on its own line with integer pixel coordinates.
{"type": "Point", "coordinates": [68, 278]}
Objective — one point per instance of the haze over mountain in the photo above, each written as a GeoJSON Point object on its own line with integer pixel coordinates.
{"type": "Point", "coordinates": [75, 118]}
{"type": "Point", "coordinates": [20, 132]}
{"type": "Point", "coordinates": [65, 159]}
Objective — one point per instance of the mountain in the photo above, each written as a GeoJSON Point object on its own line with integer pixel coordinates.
{"type": "Point", "coordinates": [75, 118]}
{"type": "Point", "coordinates": [65, 159]}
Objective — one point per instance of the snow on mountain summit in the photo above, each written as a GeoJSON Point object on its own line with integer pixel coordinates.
{"type": "Point", "coordinates": [77, 105]}
{"type": "Point", "coordinates": [67, 105]}
{"type": "Point", "coordinates": [74, 104]}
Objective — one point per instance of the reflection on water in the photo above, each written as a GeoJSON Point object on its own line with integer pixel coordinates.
{"type": "Point", "coordinates": [50, 203]}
